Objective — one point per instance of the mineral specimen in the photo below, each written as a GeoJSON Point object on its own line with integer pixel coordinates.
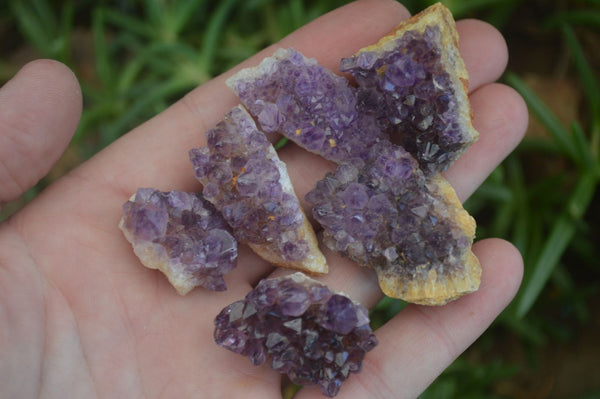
{"type": "Point", "coordinates": [311, 334]}
{"type": "Point", "coordinates": [293, 95]}
{"type": "Point", "coordinates": [413, 82]}
{"type": "Point", "coordinates": [246, 181]}
{"type": "Point", "coordinates": [410, 228]}
{"type": "Point", "coordinates": [182, 235]}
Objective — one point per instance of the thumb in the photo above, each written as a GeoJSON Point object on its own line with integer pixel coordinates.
{"type": "Point", "coordinates": [39, 111]}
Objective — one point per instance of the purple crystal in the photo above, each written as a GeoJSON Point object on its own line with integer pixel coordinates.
{"type": "Point", "coordinates": [307, 103]}
{"type": "Point", "coordinates": [406, 86]}
{"type": "Point", "coordinates": [182, 235]}
{"type": "Point", "coordinates": [391, 217]}
{"type": "Point", "coordinates": [313, 335]}
{"type": "Point", "coordinates": [246, 181]}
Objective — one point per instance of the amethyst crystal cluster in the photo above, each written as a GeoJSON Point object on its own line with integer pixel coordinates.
{"type": "Point", "coordinates": [293, 95]}
{"type": "Point", "coordinates": [246, 181]}
{"type": "Point", "coordinates": [303, 329]}
{"type": "Point", "coordinates": [385, 206]}
{"type": "Point", "coordinates": [182, 235]}
{"type": "Point", "coordinates": [386, 214]}
{"type": "Point", "coordinates": [406, 86]}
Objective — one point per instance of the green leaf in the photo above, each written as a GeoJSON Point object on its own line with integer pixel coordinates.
{"type": "Point", "coordinates": [67, 19]}
{"type": "Point", "coordinates": [129, 23]}
{"type": "Point", "coordinates": [143, 106]}
{"type": "Point", "coordinates": [588, 17]}
{"type": "Point", "coordinates": [521, 203]}
{"type": "Point", "coordinates": [561, 234]}
{"type": "Point", "coordinates": [184, 10]}
{"type": "Point", "coordinates": [542, 145]}
{"type": "Point", "coordinates": [462, 7]}
{"type": "Point", "coordinates": [557, 242]}
{"type": "Point", "coordinates": [281, 143]}
{"type": "Point", "coordinates": [582, 195]}
{"type": "Point", "coordinates": [103, 63]}
{"type": "Point", "coordinates": [213, 34]}
{"type": "Point", "coordinates": [546, 116]}
{"type": "Point", "coordinates": [583, 147]}
{"type": "Point", "coordinates": [585, 72]}
{"type": "Point", "coordinates": [155, 12]}
{"type": "Point", "coordinates": [298, 14]}
{"type": "Point", "coordinates": [591, 395]}
{"type": "Point", "coordinates": [33, 25]}
{"type": "Point", "coordinates": [153, 56]}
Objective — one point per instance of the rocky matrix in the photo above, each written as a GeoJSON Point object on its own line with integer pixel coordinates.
{"type": "Point", "coordinates": [413, 84]}
{"type": "Point", "coordinates": [182, 235]}
{"type": "Point", "coordinates": [304, 330]}
{"type": "Point", "coordinates": [410, 228]}
{"type": "Point", "coordinates": [293, 95]}
{"type": "Point", "coordinates": [245, 180]}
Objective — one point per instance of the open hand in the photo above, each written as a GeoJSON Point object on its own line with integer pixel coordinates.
{"type": "Point", "coordinates": [81, 318]}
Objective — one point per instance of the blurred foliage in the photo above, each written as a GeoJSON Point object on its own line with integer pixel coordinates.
{"type": "Point", "coordinates": [143, 55]}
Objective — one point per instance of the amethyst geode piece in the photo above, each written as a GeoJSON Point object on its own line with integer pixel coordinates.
{"type": "Point", "coordinates": [313, 335]}
{"type": "Point", "coordinates": [246, 181]}
{"type": "Point", "coordinates": [307, 103]}
{"type": "Point", "coordinates": [182, 235]}
{"type": "Point", "coordinates": [413, 82]}
{"type": "Point", "coordinates": [410, 228]}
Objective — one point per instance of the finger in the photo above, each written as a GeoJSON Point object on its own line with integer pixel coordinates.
{"type": "Point", "coordinates": [39, 111]}
{"type": "Point", "coordinates": [484, 51]}
{"type": "Point", "coordinates": [421, 341]}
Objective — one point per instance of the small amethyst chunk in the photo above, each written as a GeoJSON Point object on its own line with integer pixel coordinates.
{"type": "Point", "coordinates": [246, 181]}
{"type": "Point", "coordinates": [307, 103]}
{"type": "Point", "coordinates": [413, 83]}
{"type": "Point", "coordinates": [313, 335]}
{"type": "Point", "coordinates": [182, 235]}
{"type": "Point", "coordinates": [411, 229]}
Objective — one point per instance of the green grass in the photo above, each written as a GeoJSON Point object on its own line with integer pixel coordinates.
{"type": "Point", "coordinates": [148, 53]}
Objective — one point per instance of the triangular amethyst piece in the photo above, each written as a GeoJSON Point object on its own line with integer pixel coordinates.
{"type": "Point", "coordinates": [245, 180]}
{"type": "Point", "coordinates": [413, 83]}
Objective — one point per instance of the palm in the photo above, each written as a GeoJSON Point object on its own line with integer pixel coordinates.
{"type": "Point", "coordinates": [78, 313]}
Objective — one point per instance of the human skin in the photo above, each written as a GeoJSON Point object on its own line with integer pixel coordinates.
{"type": "Point", "coordinates": [80, 317]}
